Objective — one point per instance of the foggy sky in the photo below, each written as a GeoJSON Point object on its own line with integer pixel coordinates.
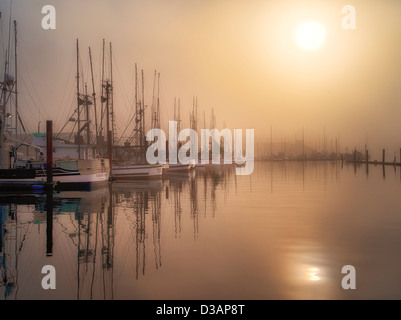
{"type": "Point", "coordinates": [238, 57]}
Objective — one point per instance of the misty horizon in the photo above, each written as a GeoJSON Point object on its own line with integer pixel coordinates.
{"type": "Point", "coordinates": [239, 60]}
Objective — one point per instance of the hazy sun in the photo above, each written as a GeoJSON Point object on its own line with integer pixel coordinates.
{"type": "Point", "coordinates": [311, 35]}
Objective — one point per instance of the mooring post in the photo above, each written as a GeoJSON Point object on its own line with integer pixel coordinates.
{"type": "Point", "coordinates": [367, 162]}
{"type": "Point", "coordinates": [49, 222]}
{"type": "Point", "coordinates": [49, 192]}
{"type": "Point", "coordinates": [49, 151]}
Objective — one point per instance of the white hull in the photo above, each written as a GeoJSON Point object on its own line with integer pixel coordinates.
{"type": "Point", "coordinates": [179, 167]}
{"type": "Point", "coordinates": [137, 172]}
{"type": "Point", "coordinates": [82, 178]}
{"type": "Point", "coordinates": [66, 173]}
{"type": "Point", "coordinates": [86, 173]}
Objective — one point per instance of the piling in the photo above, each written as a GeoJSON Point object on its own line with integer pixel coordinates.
{"type": "Point", "coordinates": [49, 192]}
{"type": "Point", "coordinates": [49, 151]}
{"type": "Point", "coordinates": [367, 162]}
{"type": "Point", "coordinates": [49, 223]}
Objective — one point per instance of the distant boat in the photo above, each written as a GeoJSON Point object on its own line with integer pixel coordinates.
{"type": "Point", "coordinates": [126, 168]}
{"type": "Point", "coordinates": [179, 167]}
{"type": "Point", "coordinates": [137, 171]}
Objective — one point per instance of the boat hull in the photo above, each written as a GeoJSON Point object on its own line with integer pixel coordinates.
{"type": "Point", "coordinates": [137, 172]}
{"type": "Point", "coordinates": [179, 167]}
{"type": "Point", "coordinates": [67, 175]}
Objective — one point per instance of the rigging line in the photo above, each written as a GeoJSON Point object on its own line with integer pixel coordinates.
{"type": "Point", "coordinates": [25, 48]}
{"type": "Point", "coordinates": [122, 111]}
{"type": "Point", "coordinates": [72, 131]}
{"type": "Point", "coordinates": [9, 33]}
{"type": "Point", "coordinates": [71, 103]}
{"type": "Point", "coordinates": [67, 122]}
{"type": "Point", "coordinates": [30, 96]}
{"type": "Point", "coordinates": [65, 89]}
{"type": "Point", "coordinates": [119, 77]}
{"type": "Point", "coordinates": [31, 82]}
{"type": "Point", "coordinates": [126, 128]}
{"type": "Point", "coordinates": [2, 36]}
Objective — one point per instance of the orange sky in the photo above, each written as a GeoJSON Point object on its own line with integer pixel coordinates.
{"type": "Point", "coordinates": [238, 57]}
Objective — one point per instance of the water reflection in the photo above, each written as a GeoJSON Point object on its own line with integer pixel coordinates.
{"type": "Point", "coordinates": [272, 233]}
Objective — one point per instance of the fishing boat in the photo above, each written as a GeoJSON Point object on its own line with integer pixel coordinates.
{"type": "Point", "coordinates": [76, 165]}
{"type": "Point", "coordinates": [179, 167]}
{"type": "Point", "coordinates": [137, 171]}
{"type": "Point", "coordinates": [70, 171]}
{"type": "Point", "coordinates": [12, 176]}
{"type": "Point", "coordinates": [133, 165]}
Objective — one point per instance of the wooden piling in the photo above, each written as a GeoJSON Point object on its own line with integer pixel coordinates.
{"type": "Point", "coordinates": [49, 151]}
{"type": "Point", "coordinates": [49, 223]}
{"type": "Point", "coordinates": [49, 194]}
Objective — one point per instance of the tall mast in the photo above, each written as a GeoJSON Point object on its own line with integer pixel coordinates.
{"type": "Point", "coordinates": [113, 129]}
{"type": "Point", "coordinates": [16, 82]}
{"type": "Point", "coordinates": [94, 98]}
{"type": "Point", "coordinates": [78, 103]}
{"type": "Point", "coordinates": [102, 98]}
{"type": "Point", "coordinates": [158, 101]}
{"type": "Point", "coordinates": [179, 116]}
{"type": "Point", "coordinates": [143, 112]}
{"type": "Point", "coordinates": [87, 117]}
{"type": "Point", "coordinates": [137, 110]}
{"type": "Point", "coordinates": [175, 109]}
{"type": "Point", "coordinates": [153, 112]}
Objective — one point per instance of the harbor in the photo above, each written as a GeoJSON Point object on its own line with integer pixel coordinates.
{"type": "Point", "coordinates": [169, 152]}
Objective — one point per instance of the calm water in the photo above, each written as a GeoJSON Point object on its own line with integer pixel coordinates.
{"type": "Point", "coordinates": [284, 232]}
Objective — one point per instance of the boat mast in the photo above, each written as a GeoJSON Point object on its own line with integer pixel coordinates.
{"type": "Point", "coordinates": [78, 103]}
{"type": "Point", "coordinates": [16, 82]}
{"type": "Point", "coordinates": [113, 123]}
{"type": "Point", "coordinates": [87, 119]}
{"type": "Point", "coordinates": [94, 98]}
{"type": "Point", "coordinates": [143, 113]}
{"type": "Point", "coordinates": [137, 110]}
{"type": "Point", "coordinates": [102, 100]}
{"type": "Point", "coordinates": [153, 111]}
{"type": "Point", "coordinates": [158, 102]}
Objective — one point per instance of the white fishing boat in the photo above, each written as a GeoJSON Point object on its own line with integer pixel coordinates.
{"type": "Point", "coordinates": [137, 171]}
{"type": "Point", "coordinates": [70, 171]}
{"type": "Point", "coordinates": [74, 164]}
{"type": "Point", "coordinates": [179, 167]}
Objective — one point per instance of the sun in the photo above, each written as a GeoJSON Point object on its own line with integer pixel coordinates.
{"type": "Point", "coordinates": [311, 35]}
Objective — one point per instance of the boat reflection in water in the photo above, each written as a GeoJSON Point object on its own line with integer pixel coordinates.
{"type": "Point", "coordinates": [209, 234]}
{"type": "Point", "coordinates": [98, 239]}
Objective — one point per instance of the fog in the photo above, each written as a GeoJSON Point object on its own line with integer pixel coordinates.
{"type": "Point", "coordinates": [238, 57]}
